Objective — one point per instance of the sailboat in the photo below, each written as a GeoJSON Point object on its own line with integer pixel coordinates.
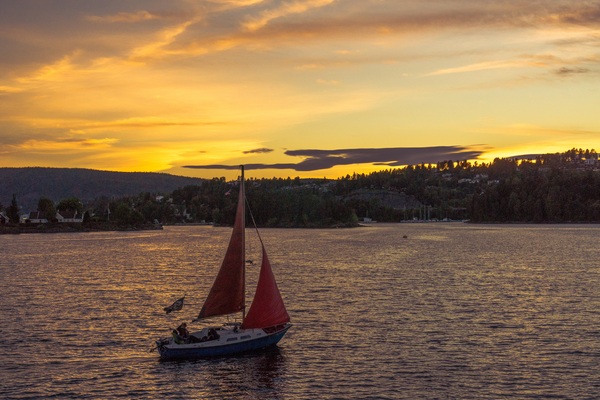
{"type": "Point", "coordinates": [266, 321]}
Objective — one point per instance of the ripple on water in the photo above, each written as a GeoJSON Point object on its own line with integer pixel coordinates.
{"type": "Point", "coordinates": [450, 311]}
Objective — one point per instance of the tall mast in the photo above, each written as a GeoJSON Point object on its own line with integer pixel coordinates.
{"type": "Point", "coordinates": [243, 189]}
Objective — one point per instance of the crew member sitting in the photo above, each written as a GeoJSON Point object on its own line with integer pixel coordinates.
{"type": "Point", "coordinates": [212, 334]}
{"type": "Point", "coordinates": [182, 330]}
{"type": "Point", "coordinates": [184, 334]}
{"type": "Point", "coordinates": [176, 338]}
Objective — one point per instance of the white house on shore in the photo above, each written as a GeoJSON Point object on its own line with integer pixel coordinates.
{"type": "Point", "coordinates": [37, 217]}
{"type": "Point", "coordinates": [69, 216]}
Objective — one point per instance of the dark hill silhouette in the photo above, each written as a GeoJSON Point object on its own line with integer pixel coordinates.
{"type": "Point", "coordinates": [29, 184]}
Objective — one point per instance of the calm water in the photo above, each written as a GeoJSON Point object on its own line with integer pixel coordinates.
{"type": "Point", "coordinates": [453, 311]}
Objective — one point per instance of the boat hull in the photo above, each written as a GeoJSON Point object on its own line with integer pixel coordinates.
{"type": "Point", "coordinates": [218, 349]}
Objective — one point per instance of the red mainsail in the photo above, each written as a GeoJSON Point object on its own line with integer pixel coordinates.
{"type": "Point", "coordinates": [267, 308]}
{"type": "Point", "coordinates": [227, 293]}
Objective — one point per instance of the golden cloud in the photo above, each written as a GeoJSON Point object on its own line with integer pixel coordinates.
{"type": "Point", "coordinates": [285, 9]}
{"type": "Point", "coordinates": [124, 17]}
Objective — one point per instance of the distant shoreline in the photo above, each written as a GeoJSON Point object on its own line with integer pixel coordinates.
{"type": "Point", "coordinates": [103, 227]}
{"type": "Point", "coordinates": [106, 227]}
{"type": "Point", "coordinates": [73, 228]}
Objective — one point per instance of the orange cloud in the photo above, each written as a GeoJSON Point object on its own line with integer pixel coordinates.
{"type": "Point", "coordinates": [52, 71]}
{"type": "Point", "coordinates": [157, 48]}
{"type": "Point", "coordinates": [65, 144]}
{"type": "Point", "coordinates": [486, 65]}
{"type": "Point", "coordinates": [124, 17]}
{"type": "Point", "coordinates": [285, 9]}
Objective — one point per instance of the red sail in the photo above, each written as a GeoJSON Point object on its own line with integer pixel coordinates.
{"type": "Point", "coordinates": [267, 308]}
{"type": "Point", "coordinates": [227, 293]}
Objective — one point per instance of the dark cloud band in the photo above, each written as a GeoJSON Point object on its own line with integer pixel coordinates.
{"type": "Point", "coordinates": [392, 157]}
{"type": "Point", "coordinates": [262, 150]}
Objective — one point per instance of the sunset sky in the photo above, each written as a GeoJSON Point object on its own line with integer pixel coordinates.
{"type": "Point", "coordinates": [314, 88]}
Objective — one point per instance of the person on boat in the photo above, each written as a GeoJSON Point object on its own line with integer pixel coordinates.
{"type": "Point", "coordinates": [177, 338]}
{"type": "Point", "coordinates": [184, 335]}
{"type": "Point", "coordinates": [212, 334]}
{"type": "Point", "coordinates": [183, 331]}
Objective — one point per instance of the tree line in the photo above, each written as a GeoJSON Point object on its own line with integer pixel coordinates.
{"type": "Point", "coordinates": [562, 187]}
{"type": "Point", "coordinates": [530, 193]}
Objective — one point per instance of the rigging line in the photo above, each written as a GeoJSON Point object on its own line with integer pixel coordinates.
{"type": "Point", "coordinates": [253, 221]}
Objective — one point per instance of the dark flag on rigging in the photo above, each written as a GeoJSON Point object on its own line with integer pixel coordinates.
{"type": "Point", "coordinates": [178, 305]}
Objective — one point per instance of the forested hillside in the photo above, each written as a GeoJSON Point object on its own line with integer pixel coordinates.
{"type": "Point", "coordinates": [554, 192]}
{"type": "Point", "coordinates": [29, 184]}
{"type": "Point", "coordinates": [548, 188]}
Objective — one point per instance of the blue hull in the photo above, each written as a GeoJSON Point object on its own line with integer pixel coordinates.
{"type": "Point", "coordinates": [224, 350]}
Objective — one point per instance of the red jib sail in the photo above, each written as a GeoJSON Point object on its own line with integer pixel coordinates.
{"type": "Point", "coordinates": [267, 308]}
{"type": "Point", "coordinates": [227, 293]}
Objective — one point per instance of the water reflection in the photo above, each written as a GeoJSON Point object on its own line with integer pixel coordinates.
{"type": "Point", "coordinates": [253, 375]}
{"type": "Point", "coordinates": [453, 310]}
